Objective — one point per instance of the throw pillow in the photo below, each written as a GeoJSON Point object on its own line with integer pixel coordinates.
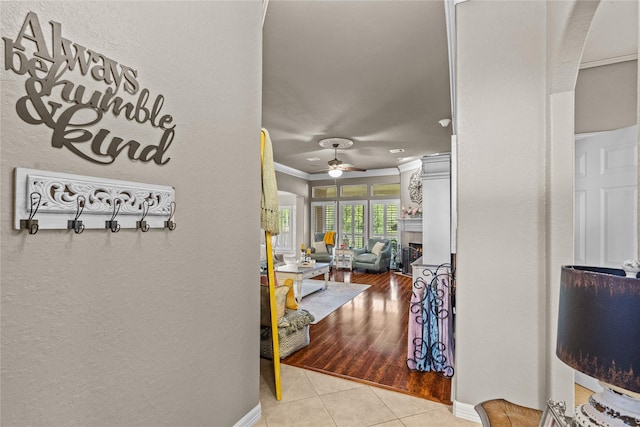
{"type": "Point", "coordinates": [291, 303]}
{"type": "Point", "coordinates": [265, 311]}
{"type": "Point", "coordinates": [377, 248]}
{"type": "Point", "coordinates": [320, 247]}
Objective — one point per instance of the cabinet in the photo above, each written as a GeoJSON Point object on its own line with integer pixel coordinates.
{"type": "Point", "coordinates": [343, 258]}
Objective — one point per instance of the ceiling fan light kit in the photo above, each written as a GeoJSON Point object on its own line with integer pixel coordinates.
{"type": "Point", "coordinates": [336, 167]}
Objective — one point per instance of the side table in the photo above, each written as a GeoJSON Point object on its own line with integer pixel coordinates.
{"type": "Point", "coordinates": [343, 258]}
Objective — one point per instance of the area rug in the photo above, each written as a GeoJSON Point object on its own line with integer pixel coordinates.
{"type": "Point", "coordinates": [321, 302]}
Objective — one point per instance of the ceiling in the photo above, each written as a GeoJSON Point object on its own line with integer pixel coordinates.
{"type": "Point", "coordinates": [613, 36]}
{"type": "Point", "coordinates": [377, 72]}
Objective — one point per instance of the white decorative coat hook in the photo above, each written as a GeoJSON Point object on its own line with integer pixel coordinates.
{"type": "Point", "coordinates": [31, 224]}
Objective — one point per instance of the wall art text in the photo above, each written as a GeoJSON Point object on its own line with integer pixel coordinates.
{"type": "Point", "coordinates": [73, 112]}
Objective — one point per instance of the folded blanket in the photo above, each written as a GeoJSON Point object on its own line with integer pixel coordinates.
{"type": "Point", "coordinates": [297, 319]}
{"type": "Point", "coordinates": [269, 213]}
{"type": "Point", "coordinates": [329, 238]}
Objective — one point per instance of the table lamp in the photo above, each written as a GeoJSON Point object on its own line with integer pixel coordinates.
{"type": "Point", "coordinates": [599, 335]}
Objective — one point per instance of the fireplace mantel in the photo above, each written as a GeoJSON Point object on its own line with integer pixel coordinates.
{"type": "Point", "coordinates": [413, 225]}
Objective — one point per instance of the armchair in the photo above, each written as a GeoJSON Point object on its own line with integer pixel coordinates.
{"type": "Point", "coordinates": [321, 256]}
{"type": "Point", "coordinates": [372, 257]}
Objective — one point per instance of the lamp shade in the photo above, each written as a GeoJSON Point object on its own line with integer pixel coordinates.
{"type": "Point", "coordinates": [335, 173]}
{"type": "Point", "coordinates": [599, 324]}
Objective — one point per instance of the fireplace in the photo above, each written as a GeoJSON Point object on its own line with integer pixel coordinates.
{"type": "Point", "coordinates": [410, 253]}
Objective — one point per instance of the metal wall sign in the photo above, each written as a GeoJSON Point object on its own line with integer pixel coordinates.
{"type": "Point", "coordinates": [73, 112]}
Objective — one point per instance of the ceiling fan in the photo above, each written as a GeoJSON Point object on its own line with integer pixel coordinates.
{"type": "Point", "coordinates": [336, 167]}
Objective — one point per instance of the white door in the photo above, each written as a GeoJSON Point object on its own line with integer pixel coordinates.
{"type": "Point", "coordinates": [606, 217]}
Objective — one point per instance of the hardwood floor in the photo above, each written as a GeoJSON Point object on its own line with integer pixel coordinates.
{"type": "Point", "coordinates": [366, 339]}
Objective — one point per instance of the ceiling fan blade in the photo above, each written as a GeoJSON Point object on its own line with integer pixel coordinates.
{"type": "Point", "coordinates": [338, 164]}
{"type": "Point", "coordinates": [352, 169]}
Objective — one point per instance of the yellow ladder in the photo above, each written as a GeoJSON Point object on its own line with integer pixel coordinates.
{"type": "Point", "coordinates": [272, 295]}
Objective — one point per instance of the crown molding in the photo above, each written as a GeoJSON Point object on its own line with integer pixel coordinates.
{"type": "Point", "coordinates": [291, 171]}
{"type": "Point", "coordinates": [609, 61]}
{"type": "Point", "coordinates": [410, 166]}
{"type": "Point", "coordinates": [325, 176]}
{"type": "Point", "coordinates": [368, 174]}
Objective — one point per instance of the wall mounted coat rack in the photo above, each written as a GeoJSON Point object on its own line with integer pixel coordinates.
{"type": "Point", "coordinates": [54, 200]}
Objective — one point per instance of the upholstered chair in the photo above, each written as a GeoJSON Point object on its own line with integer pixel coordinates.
{"type": "Point", "coordinates": [375, 256]}
{"type": "Point", "coordinates": [320, 251]}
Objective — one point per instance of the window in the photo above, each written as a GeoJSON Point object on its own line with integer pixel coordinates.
{"type": "Point", "coordinates": [353, 215]}
{"type": "Point", "coordinates": [353, 223]}
{"type": "Point", "coordinates": [284, 242]}
{"type": "Point", "coordinates": [384, 223]}
{"type": "Point", "coordinates": [385, 190]}
{"type": "Point", "coordinates": [353, 190]}
{"type": "Point", "coordinates": [323, 217]}
{"type": "Point", "coordinates": [384, 219]}
{"type": "Point", "coordinates": [326, 192]}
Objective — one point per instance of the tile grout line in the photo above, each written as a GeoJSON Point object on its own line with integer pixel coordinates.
{"type": "Point", "coordinates": [372, 388]}
{"type": "Point", "coordinates": [319, 396]}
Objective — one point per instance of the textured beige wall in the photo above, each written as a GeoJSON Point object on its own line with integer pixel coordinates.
{"type": "Point", "coordinates": [515, 177]}
{"type": "Point", "coordinates": [292, 184]}
{"type": "Point", "coordinates": [501, 87]}
{"type": "Point", "coordinates": [606, 97]}
{"type": "Point", "coordinates": [159, 328]}
{"type": "Point", "coordinates": [567, 29]}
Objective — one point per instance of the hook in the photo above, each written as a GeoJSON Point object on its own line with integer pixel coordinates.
{"type": "Point", "coordinates": [76, 224]}
{"type": "Point", "coordinates": [169, 223]}
{"type": "Point", "coordinates": [32, 224]}
{"type": "Point", "coordinates": [142, 224]}
{"type": "Point", "coordinates": [112, 224]}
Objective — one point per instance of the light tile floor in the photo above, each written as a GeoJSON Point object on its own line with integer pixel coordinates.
{"type": "Point", "coordinates": [312, 399]}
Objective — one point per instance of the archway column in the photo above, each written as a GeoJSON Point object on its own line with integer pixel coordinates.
{"type": "Point", "coordinates": [559, 235]}
{"type": "Point", "coordinates": [515, 127]}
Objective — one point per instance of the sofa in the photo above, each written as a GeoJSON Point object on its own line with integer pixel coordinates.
{"type": "Point", "coordinates": [375, 256]}
{"type": "Point", "coordinates": [320, 250]}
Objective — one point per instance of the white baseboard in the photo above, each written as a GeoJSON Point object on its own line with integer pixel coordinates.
{"type": "Point", "coordinates": [251, 418]}
{"type": "Point", "coordinates": [465, 411]}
